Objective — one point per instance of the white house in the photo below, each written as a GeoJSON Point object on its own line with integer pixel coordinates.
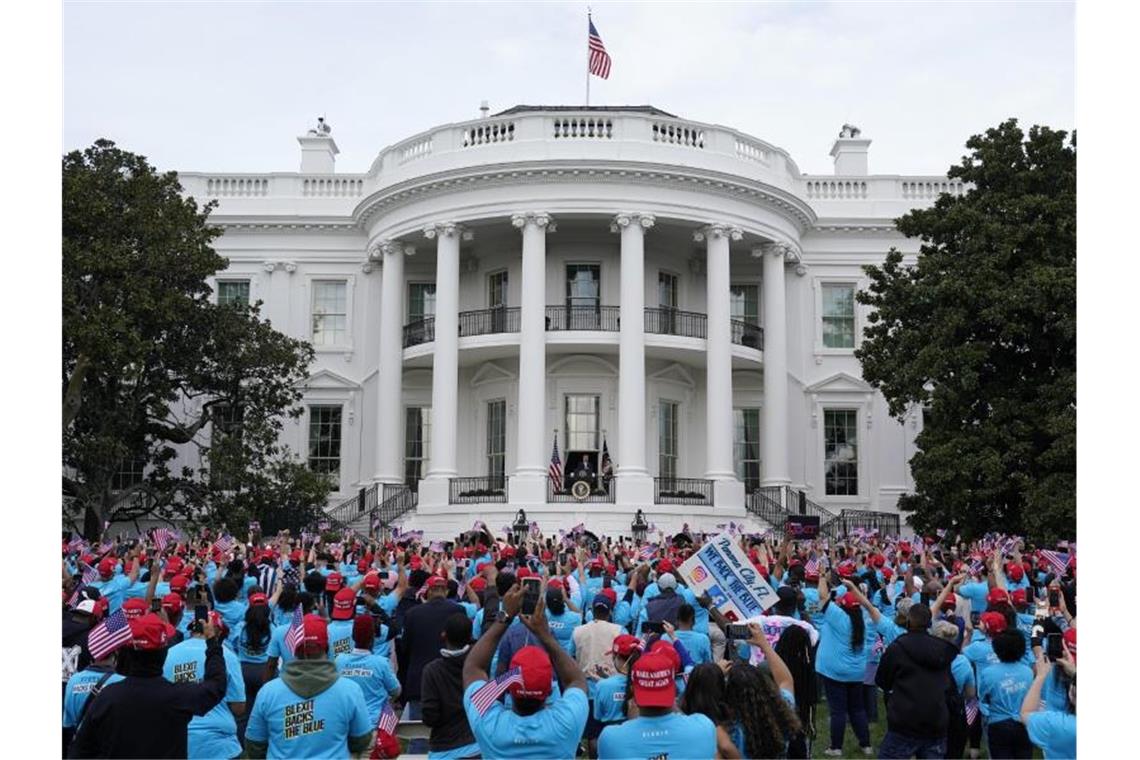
{"type": "Point", "coordinates": [676, 292]}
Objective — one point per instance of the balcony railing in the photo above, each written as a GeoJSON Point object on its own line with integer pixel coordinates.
{"type": "Point", "coordinates": [420, 331]}
{"type": "Point", "coordinates": [747, 334]}
{"type": "Point", "coordinates": [503, 319]}
{"type": "Point", "coordinates": [597, 496]}
{"type": "Point", "coordinates": [687, 324]}
{"type": "Point", "coordinates": [682, 491]}
{"type": "Point", "coordinates": [484, 490]}
{"type": "Point", "coordinates": [603, 318]}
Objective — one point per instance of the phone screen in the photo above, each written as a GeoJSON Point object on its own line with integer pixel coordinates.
{"type": "Point", "coordinates": [1054, 600]}
{"type": "Point", "coordinates": [975, 617]}
{"type": "Point", "coordinates": [653, 626]}
{"type": "Point", "coordinates": [738, 631]}
{"type": "Point", "coordinates": [531, 587]}
{"type": "Point", "coordinates": [155, 604]}
{"type": "Point", "coordinates": [1053, 646]}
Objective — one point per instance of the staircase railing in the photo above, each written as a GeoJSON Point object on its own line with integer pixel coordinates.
{"type": "Point", "coordinates": [353, 508]}
{"type": "Point", "coordinates": [398, 499]}
{"type": "Point", "coordinates": [761, 504]}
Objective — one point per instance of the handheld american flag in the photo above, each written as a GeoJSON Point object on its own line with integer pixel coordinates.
{"type": "Point", "coordinates": [488, 693]}
{"type": "Point", "coordinates": [647, 552]}
{"type": "Point", "coordinates": [388, 720]}
{"type": "Point", "coordinates": [811, 567]}
{"type": "Point", "coordinates": [971, 711]}
{"type": "Point", "coordinates": [108, 635]}
{"type": "Point", "coordinates": [162, 538]}
{"type": "Point", "coordinates": [225, 543]}
{"type": "Point", "coordinates": [556, 467]}
{"type": "Point", "coordinates": [1057, 561]}
{"type": "Point", "coordinates": [599, 58]}
{"type": "Point", "coordinates": [296, 632]}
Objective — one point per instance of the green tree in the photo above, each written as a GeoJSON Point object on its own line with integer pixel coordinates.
{"type": "Point", "coordinates": [149, 361]}
{"type": "Point", "coordinates": [981, 331]}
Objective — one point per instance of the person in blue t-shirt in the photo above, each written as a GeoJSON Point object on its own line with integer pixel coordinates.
{"type": "Point", "coordinates": [279, 652]}
{"type": "Point", "coordinates": [226, 602]}
{"type": "Point", "coordinates": [659, 730]}
{"type": "Point", "coordinates": [696, 643]}
{"type": "Point", "coordinates": [530, 727]}
{"type": "Point", "coordinates": [562, 621]}
{"type": "Point", "coordinates": [310, 711]}
{"type": "Point", "coordinates": [1053, 731]}
{"type": "Point", "coordinates": [371, 672]}
{"type": "Point", "coordinates": [1001, 691]}
{"type": "Point", "coordinates": [841, 661]}
{"type": "Point", "coordinates": [250, 642]}
{"type": "Point", "coordinates": [80, 687]}
{"type": "Point", "coordinates": [214, 734]}
{"type": "Point", "coordinates": [112, 584]}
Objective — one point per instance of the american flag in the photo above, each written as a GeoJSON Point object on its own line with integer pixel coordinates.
{"type": "Point", "coordinates": [388, 720]}
{"type": "Point", "coordinates": [811, 567]}
{"type": "Point", "coordinates": [976, 566]}
{"type": "Point", "coordinates": [647, 552]}
{"type": "Point", "coordinates": [489, 692]}
{"type": "Point", "coordinates": [556, 467]}
{"type": "Point", "coordinates": [76, 544]}
{"type": "Point", "coordinates": [1008, 546]}
{"type": "Point", "coordinates": [599, 58]}
{"type": "Point", "coordinates": [607, 463]}
{"type": "Point", "coordinates": [224, 543]}
{"type": "Point", "coordinates": [108, 635]}
{"type": "Point", "coordinates": [90, 574]}
{"type": "Point", "coordinates": [971, 710]}
{"type": "Point", "coordinates": [479, 525]}
{"type": "Point", "coordinates": [535, 531]}
{"type": "Point", "coordinates": [74, 598]}
{"type": "Point", "coordinates": [435, 546]}
{"type": "Point", "coordinates": [162, 538]}
{"type": "Point", "coordinates": [1058, 561]}
{"type": "Point", "coordinates": [296, 632]}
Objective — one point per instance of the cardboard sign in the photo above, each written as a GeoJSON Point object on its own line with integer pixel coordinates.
{"type": "Point", "coordinates": [802, 527]}
{"type": "Point", "coordinates": [733, 583]}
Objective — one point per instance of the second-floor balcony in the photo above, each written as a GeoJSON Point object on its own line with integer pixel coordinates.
{"type": "Point", "coordinates": [658, 321]}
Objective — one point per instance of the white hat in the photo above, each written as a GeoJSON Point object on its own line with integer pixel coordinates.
{"type": "Point", "coordinates": [666, 582]}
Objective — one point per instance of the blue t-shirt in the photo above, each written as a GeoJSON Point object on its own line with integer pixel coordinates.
{"type": "Point", "coordinates": [1001, 688]}
{"type": "Point", "coordinates": [609, 698]}
{"type": "Point", "coordinates": [665, 736]}
{"type": "Point", "coordinates": [308, 727]}
{"type": "Point", "coordinates": [381, 644]}
{"type": "Point", "coordinates": [1055, 692]}
{"type": "Point", "coordinates": [277, 646]}
{"type": "Point", "coordinates": [552, 732]}
{"type": "Point", "coordinates": [340, 638]}
{"type": "Point", "coordinates": [249, 651]}
{"type": "Point", "coordinates": [562, 626]}
{"type": "Point", "coordinates": [697, 644]}
{"type": "Point", "coordinates": [976, 592]}
{"type": "Point", "coordinates": [79, 687]}
{"type": "Point", "coordinates": [373, 675]}
{"type": "Point", "coordinates": [114, 589]}
{"type": "Point", "coordinates": [233, 613]}
{"type": "Point", "coordinates": [963, 672]}
{"type": "Point", "coordinates": [811, 606]}
{"type": "Point", "coordinates": [835, 658]}
{"type": "Point", "coordinates": [1054, 732]}
{"type": "Point", "coordinates": [214, 734]}
{"type": "Point", "coordinates": [981, 655]}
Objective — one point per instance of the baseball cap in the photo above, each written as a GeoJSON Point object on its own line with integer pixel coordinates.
{"type": "Point", "coordinates": [625, 645]}
{"type": "Point", "coordinates": [524, 572]}
{"type": "Point", "coordinates": [537, 673]}
{"type": "Point", "coordinates": [334, 582]}
{"type": "Point", "coordinates": [997, 596]}
{"type": "Point", "coordinates": [665, 649]}
{"type": "Point", "coordinates": [344, 604]}
{"type": "Point", "coordinates": [652, 678]}
{"type": "Point", "coordinates": [993, 621]}
{"type": "Point", "coordinates": [371, 582]}
{"type": "Point", "coordinates": [179, 583]}
{"type": "Point", "coordinates": [437, 582]}
{"type": "Point", "coordinates": [172, 567]}
{"type": "Point", "coordinates": [950, 602]}
{"type": "Point", "coordinates": [597, 564]}
{"type": "Point", "coordinates": [93, 607]}
{"type": "Point", "coordinates": [478, 583]}
{"type": "Point", "coordinates": [362, 566]}
{"type": "Point", "coordinates": [148, 632]}
{"type": "Point", "coordinates": [107, 566]}
{"type": "Point", "coordinates": [172, 603]}
{"type": "Point", "coordinates": [1018, 597]}
{"type": "Point", "coordinates": [664, 566]}
{"type": "Point", "coordinates": [555, 583]}
{"type": "Point", "coordinates": [1070, 639]}
{"type": "Point", "coordinates": [316, 632]}
{"type": "Point", "coordinates": [845, 569]}
{"type": "Point", "coordinates": [888, 573]}
{"type": "Point", "coordinates": [848, 601]}
{"type": "Point", "coordinates": [258, 598]}
{"type": "Point", "coordinates": [666, 582]}
{"type": "Point", "coordinates": [508, 551]}
{"type": "Point", "coordinates": [134, 607]}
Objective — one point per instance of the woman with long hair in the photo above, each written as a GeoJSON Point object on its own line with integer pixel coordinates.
{"type": "Point", "coordinates": [763, 715]}
{"type": "Point", "coordinates": [794, 648]}
{"type": "Point", "coordinates": [704, 694]}
{"type": "Point", "coordinates": [841, 662]}
{"type": "Point", "coordinates": [250, 641]}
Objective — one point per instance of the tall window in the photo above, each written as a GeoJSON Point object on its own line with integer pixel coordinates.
{"type": "Point", "coordinates": [667, 438]}
{"type": "Point", "coordinates": [666, 290]}
{"type": "Point", "coordinates": [497, 440]}
{"type": "Point", "coordinates": [840, 452]}
{"type": "Point", "coordinates": [417, 444]}
{"type": "Point", "coordinates": [583, 285]}
{"type": "Point", "coordinates": [746, 446]}
{"type": "Point", "coordinates": [330, 313]}
{"type": "Point", "coordinates": [582, 423]}
{"type": "Point", "coordinates": [421, 301]}
{"type": "Point", "coordinates": [233, 291]}
{"type": "Point", "coordinates": [131, 472]}
{"type": "Point", "coordinates": [324, 440]}
{"type": "Point", "coordinates": [497, 289]}
{"type": "Point", "coordinates": [744, 303]}
{"type": "Point", "coordinates": [227, 419]}
{"type": "Point", "coordinates": [838, 316]}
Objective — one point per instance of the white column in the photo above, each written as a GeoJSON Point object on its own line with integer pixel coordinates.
{"type": "Point", "coordinates": [718, 391]}
{"type": "Point", "coordinates": [634, 483]}
{"type": "Point", "coordinates": [528, 483]}
{"type": "Point", "coordinates": [774, 425]}
{"type": "Point", "coordinates": [445, 367]}
{"type": "Point", "coordinates": [389, 404]}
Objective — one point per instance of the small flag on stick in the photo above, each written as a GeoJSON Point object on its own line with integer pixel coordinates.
{"type": "Point", "coordinates": [489, 693]}
{"type": "Point", "coordinates": [108, 635]}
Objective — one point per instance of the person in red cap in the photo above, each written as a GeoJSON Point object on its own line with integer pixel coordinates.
{"type": "Point", "coordinates": [980, 652]}
{"type": "Point", "coordinates": [1053, 729]}
{"type": "Point", "coordinates": [250, 642]}
{"type": "Point", "coordinates": [841, 661]}
{"type": "Point", "coordinates": [529, 728]}
{"type": "Point", "coordinates": [112, 585]}
{"type": "Point", "coordinates": [659, 730]}
{"type": "Point", "coordinates": [310, 711]}
{"type": "Point", "coordinates": [145, 715]}
{"type": "Point", "coordinates": [340, 625]}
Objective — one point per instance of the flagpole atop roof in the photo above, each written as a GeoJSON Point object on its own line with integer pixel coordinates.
{"type": "Point", "coordinates": [588, 21]}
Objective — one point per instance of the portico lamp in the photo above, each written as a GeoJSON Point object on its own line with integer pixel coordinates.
{"type": "Point", "coordinates": [520, 528]}
{"type": "Point", "coordinates": [639, 527]}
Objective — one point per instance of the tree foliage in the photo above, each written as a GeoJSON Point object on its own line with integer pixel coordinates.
{"type": "Point", "coordinates": [981, 331]}
{"type": "Point", "coordinates": [149, 360]}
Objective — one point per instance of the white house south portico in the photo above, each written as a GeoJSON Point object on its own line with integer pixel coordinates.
{"type": "Point", "coordinates": [613, 280]}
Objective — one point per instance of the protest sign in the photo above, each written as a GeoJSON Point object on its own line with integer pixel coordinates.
{"type": "Point", "coordinates": [735, 586]}
{"type": "Point", "coordinates": [802, 527]}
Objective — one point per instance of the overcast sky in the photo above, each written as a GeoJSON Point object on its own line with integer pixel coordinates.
{"type": "Point", "coordinates": [229, 86]}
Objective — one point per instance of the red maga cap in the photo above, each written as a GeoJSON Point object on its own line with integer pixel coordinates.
{"type": "Point", "coordinates": [652, 679]}
{"type": "Point", "coordinates": [537, 673]}
{"type": "Point", "coordinates": [344, 604]}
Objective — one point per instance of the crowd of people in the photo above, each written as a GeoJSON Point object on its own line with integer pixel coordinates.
{"type": "Point", "coordinates": [562, 647]}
